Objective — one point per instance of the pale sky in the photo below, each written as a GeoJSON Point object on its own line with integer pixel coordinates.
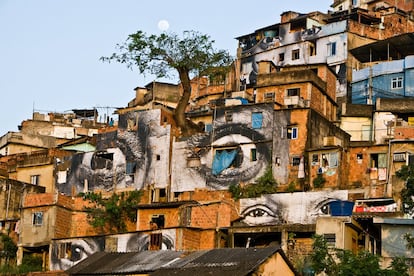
{"type": "Point", "coordinates": [50, 49]}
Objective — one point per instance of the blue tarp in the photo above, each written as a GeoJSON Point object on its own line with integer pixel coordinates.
{"type": "Point", "coordinates": [222, 160]}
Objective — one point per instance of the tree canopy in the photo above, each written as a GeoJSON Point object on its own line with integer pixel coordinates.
{"type": "Point", "coordinates": [335, 261]}
{"type": "Point", "coordinates": [160, 55]}
{"type": "Point", "coordinates": [112, 213]}
{"type": "Point", "coordinates": [406, 173]}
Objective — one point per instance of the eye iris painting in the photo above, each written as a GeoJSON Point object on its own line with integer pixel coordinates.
{"type": "Point", "coordinates": [292, 208]}
{"type": "Point", "coordinates": [69, 252]}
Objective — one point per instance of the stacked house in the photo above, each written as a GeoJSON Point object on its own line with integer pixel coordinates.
{"type": "Point", "coordinates": [315, 101]}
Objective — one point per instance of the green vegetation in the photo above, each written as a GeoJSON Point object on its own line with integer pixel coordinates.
{"type": "Point", "coordinates": [111, 213]}
{"type": "Point", "coordinates": [334, 261]}
{"type": "Point", "coordinates": [406, 173]}
{"type": "Point", "coordinates": [160, 54]}
{"type": "Point", "coordinates": [319, 181]}
{"type": "Point", "coordinates": [266, 184]}
{"type": "Point", "coordinates": [8, 249]}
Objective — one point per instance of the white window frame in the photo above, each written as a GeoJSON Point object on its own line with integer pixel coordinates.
{"type": "Point", "coordinates": [397, 83]}
{"type": "Point", "coordinates": [37, 218]}
{"type": "Point", "coordinates": [331, 46]}
{"type": "Point", "coordinates": [294, 133]}
{"type": "Point", "coordinates": [35, 179]}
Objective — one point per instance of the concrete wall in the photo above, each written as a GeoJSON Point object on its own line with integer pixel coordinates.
{"type": "Point", "coordinates": [275, 265]}
{"type": "Point", "coordinates": [345, 237]}
{"type": "Point", "coordinates": [32, 234]}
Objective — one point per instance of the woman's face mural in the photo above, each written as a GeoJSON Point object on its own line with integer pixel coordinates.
{"type": "Point", "coordinates": [288, 208]}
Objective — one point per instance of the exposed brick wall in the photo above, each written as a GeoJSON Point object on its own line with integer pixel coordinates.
{"type": "Point", "coordinates": [63, 223]}
{"type": "Point", "coordinates": [207, 239]}
{"type": "Point", "coordinates": [32, 200]}
{"type": "Point", "coordinates": [171, 216]}
{"type": "Point", "coordinates": [190, 239]}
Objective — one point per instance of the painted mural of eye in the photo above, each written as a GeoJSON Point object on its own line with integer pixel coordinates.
{"type": "Point", "coordinates": [232, 155]}
{"type": "Point", "coordinates": [78, 253]}
{"type": "Point", "coordinates": [322, 208]}
{"type": "Point", "coordinates": [259, 214]}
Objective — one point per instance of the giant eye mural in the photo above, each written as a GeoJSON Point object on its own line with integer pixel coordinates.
{"type": "Point", "coordinates": [237, 150]}
{"type": "Point", "coordinates": [67, 253]}
{"type": "Point", "coordinates": [227, 155]}
{"type": "Point", "coordinates": [123, 158]}
{"type": "Point", "coordinates": [291, 208]}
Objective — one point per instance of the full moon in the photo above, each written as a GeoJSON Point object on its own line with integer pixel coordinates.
{"type": "Point", "coordinates": [163, 25]}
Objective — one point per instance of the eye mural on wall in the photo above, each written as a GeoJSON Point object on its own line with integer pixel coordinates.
{"type": "Point", "coordinates": [67, 253]}
{"type": "Point", "coordinates": [226, 155]}
{"type": "Point", "coordinates": [300, 207]}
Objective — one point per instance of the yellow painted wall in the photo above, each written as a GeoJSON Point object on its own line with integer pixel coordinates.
{"type": "Point", "coordinates": [46, 178]}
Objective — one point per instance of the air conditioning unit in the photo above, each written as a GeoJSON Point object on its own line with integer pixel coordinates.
{"type": "Point", "coordinates": [331, 141]}
{"type": "Point", "coordinates": [295, 101]}
{"type": "Point", "coordinates": [291, 100]}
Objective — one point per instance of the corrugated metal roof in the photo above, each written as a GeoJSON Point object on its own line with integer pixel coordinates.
{"type": "Point", "coordinates": [396, 47]}
{"type": "Point", "coordinates": [224, 261]}
{"type": "Point", "coordinates": [104, 263]}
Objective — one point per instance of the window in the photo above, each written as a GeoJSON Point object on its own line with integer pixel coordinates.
{"type": "Point", "coordinates": [296, 161]}
{"type": "Point", "coordinates": [159, 195]}
{"type": "Point", "coordinates": [378, 160]}
{"type": "Point", "coordinates": [330, 239]}
{"type": "Point", "coordinates": [159, 221]}
{"type": "Point", "coordinates": [257, 120]}
{"type": "Point", "coordinates": [155, 241]}
{"type": "Point", "coordinates": [38, 218]}
{"type": "Point", "coordinates": [269, 96]}
{"type": "Point", "coordinates": [64, 250]}
{"type": "Point", "coordinates": [158, 157]}
{"type": "Point", "coordinates": [226, 158]}
{"type": "Point", "coordinates": [410, 159]}
{"type": "Point", "coordinates": [399, 157]}
{"type": "Point", "coordinates": [315, 159]}
{"type": "Point", "coordinates": [34, 179]}
{"type": "Point", "coordinates": [131, 167]}
{"type": "Point", "coordinates": [253, 155]}
{"type": "Point", "coordinates": [208, 127]}
{"type": "Point", "coordinates": [295, 54]}
{"type": "Point", "coordinates": [397, 83]}
{"type": "Point", "coordinates": [102, 160]}
{"type": "Point", "coordinates": [312, 49]}
{"type": "Point", "coordinates": [281, 56]}
{"type": "Point", "coordinates": [228, 116]}
{"type": "Point", "coordinates": [332, 49]}
{"type": "Point", "coordinates": [333, 159]}
{"type": "Point", "coordinates": [293, 92]}
{"type": "Point", "coordinates": [292, 133]}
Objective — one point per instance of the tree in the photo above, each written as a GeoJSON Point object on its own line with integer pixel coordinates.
{"type": "Point", "coordinates": [406, 173]}
{"type": "Point", "coordinates": [160, 54]}
{"type": "Point", "coordinates": [8, 248]}
{"type": "Point", "coordinates": [334, 261]}
{"type": "Point", "coordinates": [112, 213]}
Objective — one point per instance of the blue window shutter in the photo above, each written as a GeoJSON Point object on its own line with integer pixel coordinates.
{"type": "Point", "coordinates": [257, 120]}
